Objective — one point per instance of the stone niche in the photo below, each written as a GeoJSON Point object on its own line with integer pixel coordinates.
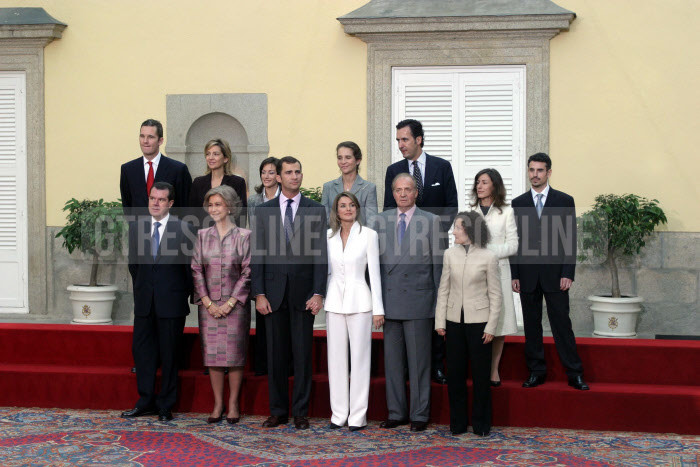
{"type": "Point", "coordinates": [240, 119]}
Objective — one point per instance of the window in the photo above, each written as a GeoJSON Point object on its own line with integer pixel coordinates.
{"type": "Point", "coordinates": [473, 117]}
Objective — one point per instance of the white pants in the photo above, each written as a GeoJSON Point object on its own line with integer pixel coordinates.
{"type": "Point", "coordinates": [349, 396]}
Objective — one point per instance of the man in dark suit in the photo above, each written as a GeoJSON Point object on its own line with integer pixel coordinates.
{"type": "Point", "coordinates": [411, 264]}
{"type": "Point", "coordinates": [544, 266]}
{"type": "Point", "coordinates": [139, 175]}
{"type": "Point", "coordinates": [160, 248]}
{"type": "Point", "coordinates": [289, 271]}
{"type": "Point", "coordinates": [437, 193]}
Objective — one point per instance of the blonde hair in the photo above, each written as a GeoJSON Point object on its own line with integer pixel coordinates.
{"type": "Point", "coordinates": [226, 151]}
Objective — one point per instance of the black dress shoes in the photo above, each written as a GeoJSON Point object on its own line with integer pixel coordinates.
{"type": "Point", "coordinates": [419, 426]}
{"type": "Point", "coordinates": [357, 428]}
{"type": "Point", "coordinates": [165, 415]}
{"type": "Point", "coordinates": [274, 421]}
{"type": "Point", "coordinates": [534, 380]}
{"type": "Point", "coordinates": [138, 412]}
{"type": "Point", "coordinates": [301, 423]}
{"type": "Point", "coordinates": [439, 377]}
{"type": "Point", "coordinates": [389, 423]}
{"type": "Point", "coordinates": [481, 433]}
{"type": "Point", "coordinates": [577, 382]}
{"type": "Point", "coordinates": [458, 432]}
{"type": "Point", "coordinates": [333, 426]}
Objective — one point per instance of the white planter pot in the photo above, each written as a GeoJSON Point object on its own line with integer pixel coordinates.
{"type": "Point", "coordinates": [92, 305]}
{"type": "Point", "coordinates": [615, 317]}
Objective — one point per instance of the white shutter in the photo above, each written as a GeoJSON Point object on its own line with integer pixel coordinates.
{"type": "Point", "coordinates": [493, 127]}
{"type": "Point", "coordinates": [13, 193]}
{"type": "Point", "coordinates": [430, 99]}
{"type": "Point", "coordinates": [473, 117]}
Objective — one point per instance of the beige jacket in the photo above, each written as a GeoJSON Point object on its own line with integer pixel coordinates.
{"type": "Point", "coordinates": [471, 281]}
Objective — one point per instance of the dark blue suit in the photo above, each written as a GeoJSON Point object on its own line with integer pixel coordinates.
{"type": "Point", "coordinates": [132, 183]}
{"type": "Point", "coordinates": [439, 189]}
{"type": "Point", "coordinates": [162, 287]}
{"type": "Point", "coordinates": [546, 254]}
{"type": "Point", "coordinates": [289, 274]}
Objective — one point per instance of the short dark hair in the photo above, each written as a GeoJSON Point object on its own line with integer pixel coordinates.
{"type": "Point", "coordinates": [266, 161]}
{"type": "Point", "coordinates": [416, 128]}
{"type": "Point", "coordinates": [287, 160]}
{"type": "Point", "coordinates": [540, 157]}
{"type": "Point", "coordinates": [165, 186]}
{"type": "Point", "coordinates": [356, 151]}
{"type": "Point", "coordinates": [155, 123]}
{"type": "Point", "coordinates": [474, 227]}
{"type": "Point", "coordinates": [499, 188]}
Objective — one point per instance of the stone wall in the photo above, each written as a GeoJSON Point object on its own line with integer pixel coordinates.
{"type": "Point", "coordinates": [666, 274]}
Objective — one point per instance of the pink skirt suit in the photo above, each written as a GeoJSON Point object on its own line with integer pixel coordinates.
{"type": "Point", "coordinates": [221, 270]}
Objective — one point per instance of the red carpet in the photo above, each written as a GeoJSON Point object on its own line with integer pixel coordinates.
{"type": "Point", "coordinates": [636, 384]}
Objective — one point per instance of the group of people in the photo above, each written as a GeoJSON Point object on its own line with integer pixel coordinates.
{"type": "Point", "coordinates": [366, 269]}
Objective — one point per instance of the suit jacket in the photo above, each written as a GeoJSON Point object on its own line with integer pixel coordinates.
{"type": "Point", "coordinates": [132, 183]}
{"type": "Point", "coordinates": [347, 290]}
{"type": "Point", "coordinates": [167, 280]}
{"type": "Point", "coordinates": [471, 282]}
{"type": "Point", "coordinates": [300, 265]}
{"type": "Point", "coordinates": [411, 272]}
{"type": "Point", "coordinates": [200, 187]}
{"type": "Point", "coordinates": [365, 191]}
{"type": "Point", "coordinates": [439, 189]}
{"type": "Point", "coordinates": [221, 267]}
{"type": "Point", "coordinates": [255, 200]}
{"type": "Point", "coordinates": [547, 245]}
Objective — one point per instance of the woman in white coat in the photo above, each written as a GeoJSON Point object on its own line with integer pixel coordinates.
{"type": "Point", "coordinates": [489, 195]}
{"type": "Point", "coordinates": [351, 310]}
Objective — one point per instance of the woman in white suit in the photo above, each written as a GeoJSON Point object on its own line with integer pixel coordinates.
{"type": "Point", "coordinates": [351, 310]}
{"type": "Point", "coordinates": [489, 195]}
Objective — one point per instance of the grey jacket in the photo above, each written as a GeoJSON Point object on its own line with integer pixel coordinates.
{"type": "Point", "coordinates": [410, 272]}
{"type": "Point", "coordinates": [365, 191]}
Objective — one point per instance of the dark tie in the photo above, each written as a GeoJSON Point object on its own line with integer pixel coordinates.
{"type": "Point", "coordinates": [539, 205]}
{"type": "Point", "coordinates": [156, 240]}
{"type": "Point", "coordinates": [149, 179]}
{"type": "Point", "coordinates": [402, 227]}
{"type": "Point", "coordinates": [418, 177]}
{"type": "Point", "coordinates": [289, 221]}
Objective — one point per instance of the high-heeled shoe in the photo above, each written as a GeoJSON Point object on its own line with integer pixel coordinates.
{"type": "Point", "coordinates": [217, 419]}
{"type": "Point", "coordinates": [233, 420]}
{"type": "Point", "coordinates": [495, 384]}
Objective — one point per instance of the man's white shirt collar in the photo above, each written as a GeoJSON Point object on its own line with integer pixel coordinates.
{"type": "Point", "coordinates": [163, 221]}
{"type": "Point", "coordinates": [544, 194]}
{"type": "Point", "coordinates": [155, 160]}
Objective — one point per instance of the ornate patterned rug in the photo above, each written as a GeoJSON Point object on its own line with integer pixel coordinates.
{"type": "Point", "coordinates": [60, 437]}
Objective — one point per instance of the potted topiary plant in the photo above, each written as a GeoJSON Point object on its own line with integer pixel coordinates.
{"type": "Point", "coordinates": [617, 226]}
{"type": "Point", "coordinates": [95, 228]}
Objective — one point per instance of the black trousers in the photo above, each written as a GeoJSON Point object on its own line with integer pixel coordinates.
{"type": "Point", "coordinates": [260, 362]}
{"type": "Point", "coordinates": [437, 352]}
{"type": "Point", "coordinates": [564, 340]}
{"type": "Point", "coordinates": [289, 325]}
{"type": "Point", "coordinates": [156, 341]}
{"type": "Point", "coordinates": [464, 345]}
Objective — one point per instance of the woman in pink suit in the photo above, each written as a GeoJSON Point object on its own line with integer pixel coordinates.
{"type": "Point", "coordinates": [221, 271]}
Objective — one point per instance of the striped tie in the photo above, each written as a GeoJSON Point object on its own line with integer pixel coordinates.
{"type": "Point", "coordinates": [418, 177]}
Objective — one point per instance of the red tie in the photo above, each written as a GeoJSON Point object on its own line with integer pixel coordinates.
{"type": "Point", "coordinates": [149, 179]}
